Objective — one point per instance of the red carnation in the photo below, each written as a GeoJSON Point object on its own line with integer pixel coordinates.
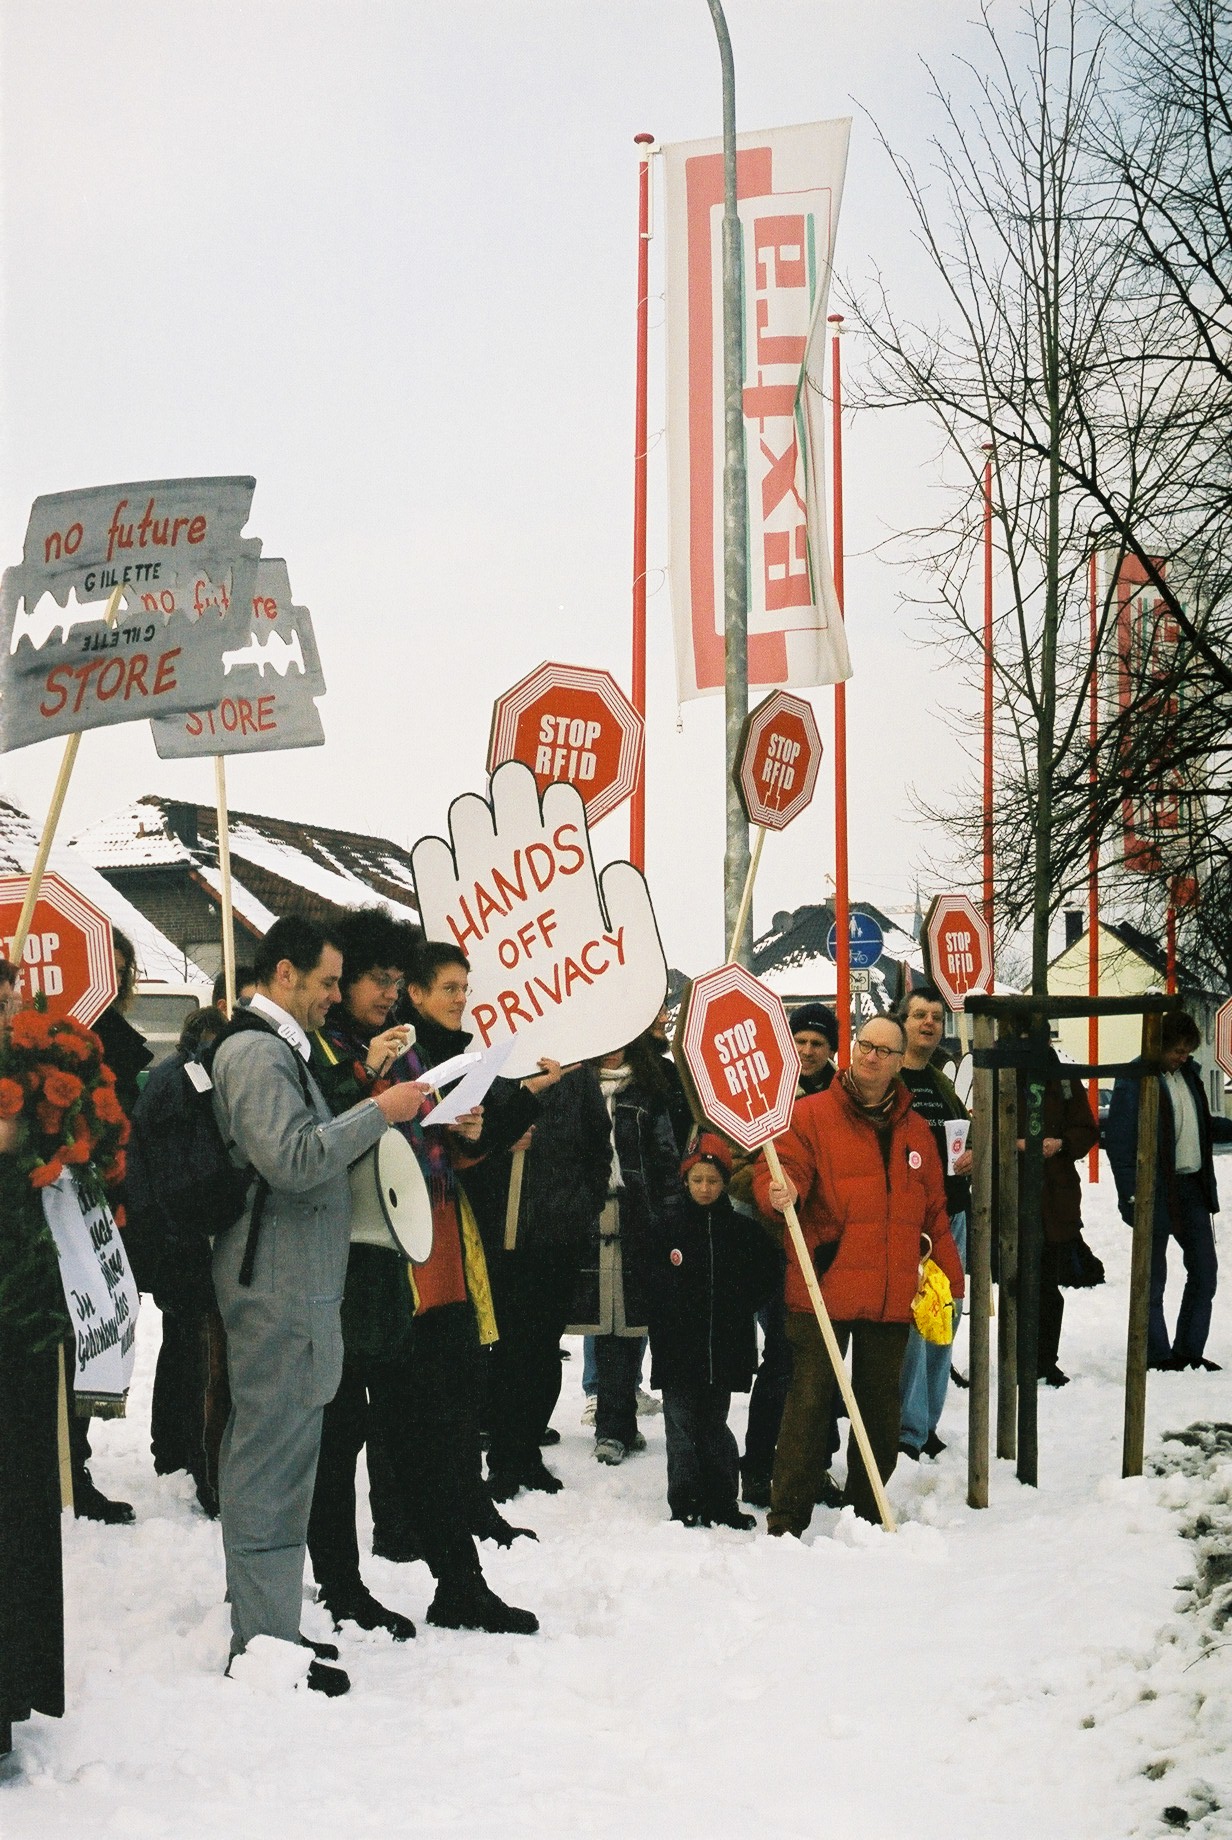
{"type": "Point", "coordinates": [107, 1106]}
{"type": "Point", "coordinates": [78, 1151]}
{"type": "Point", "coordinates": [47, 1173]}
{"type": "Point", "coordinates": [115, 1172]}
{"type": "Point", "coordinates": [50, 1118]}
{"type": "Point", "coordinates": [63, 1089]}
{"type": "Point", "coordinates": [12, 1099]}
{"type": "Point", "coordinates": [29, 1030]}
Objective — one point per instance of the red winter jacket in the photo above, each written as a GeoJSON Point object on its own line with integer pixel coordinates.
{"type": "Point", "coordinates": [832, 1155]}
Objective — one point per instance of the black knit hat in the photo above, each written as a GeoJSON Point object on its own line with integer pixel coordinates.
{"type": "Point", "coordinates": [816, 1016]}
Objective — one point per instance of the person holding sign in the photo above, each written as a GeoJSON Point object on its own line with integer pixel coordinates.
{"type": "Point", "coordinates": [279, 1288]}
{"type": "Point", "coordinates": [863, 1166]}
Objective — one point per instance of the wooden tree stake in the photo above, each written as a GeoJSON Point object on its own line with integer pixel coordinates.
{"type": "Point", "coordinates": [224, 870]}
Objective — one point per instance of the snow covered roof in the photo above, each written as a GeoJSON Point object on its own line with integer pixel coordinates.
{"type": "Point", "coordinates": [275, 862]}
{"type": "Point", "coordinates": [158, 960]}
{"type": "Point", "coordinates": [792, 958]}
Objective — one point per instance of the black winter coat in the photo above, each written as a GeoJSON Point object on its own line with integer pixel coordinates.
{"type": "Point", "coordinates": [710, 1275]}
{"type": "Point", "coordinates": [565, 1175]}
{"type": "Point", "coordinates": [649, 1200]}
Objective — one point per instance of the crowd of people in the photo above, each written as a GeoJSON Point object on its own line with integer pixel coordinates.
{"type": "Point", "coordinates": [585, 1200]}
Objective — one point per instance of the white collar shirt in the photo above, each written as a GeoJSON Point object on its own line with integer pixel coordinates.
{"type": "Point", "coordinates": [284, 1022]}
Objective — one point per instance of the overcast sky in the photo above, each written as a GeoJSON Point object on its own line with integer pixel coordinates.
{"type": "Point", "coordinates": [382, 256]}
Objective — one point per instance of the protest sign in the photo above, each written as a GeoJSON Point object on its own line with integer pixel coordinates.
{"type": "Point", "coordinates": [98, 1289]}
{"type": "Point", "coordinates": [564, 962]}
{"type": "Point", "coordinates": [168, 558]}
{"type": "Point", "coordinates": [272, 684]}
{"type": "Point", "coordinates": [573, 723]}
{"type": "Point", "coordinates": [67, 956]}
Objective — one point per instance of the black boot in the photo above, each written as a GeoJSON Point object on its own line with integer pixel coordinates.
{"type": "Point", "coordinates": [90, 1504]}
{"type": "Point", "coordinates": [358, 1605]}
{"type": "Point", "coordinates": [488, 1524]}
{"type": "Point", "coordinates": [729, 1515]}
{"type": "Point", "coordinates": [469, 1602]}
{"type": "Point", "coordinates": [331, 1681]}
{"type": "Point", "coordinates": [755, 1488]}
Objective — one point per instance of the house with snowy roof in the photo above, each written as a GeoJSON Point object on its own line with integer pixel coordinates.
{"type": "Point", "coordinates": [792, 958]}
{"type": "Point", "coordinates": [161, 855]}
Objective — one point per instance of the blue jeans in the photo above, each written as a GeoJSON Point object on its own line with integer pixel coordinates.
{"type": "Point", "coordinates": [926, 1368]}
{"type": "Point", "coordinates": [1189, 1224]}
{"type": "Point", "coordinates": [590, 1366]}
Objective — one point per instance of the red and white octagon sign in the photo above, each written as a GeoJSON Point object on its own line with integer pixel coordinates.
{"type": "Point", "coordinates": [1223, 1037]}
{"type": "Point", "coordinates": [959, 948]}
{"type": "Point", "coordinates": [777, 760]}
{"type": "Point", "coordinates": [569, 722]}
{"type": "Point", "coordinates": [68, 955]}
{"type": "Point", "coordinates": [734, 1045]}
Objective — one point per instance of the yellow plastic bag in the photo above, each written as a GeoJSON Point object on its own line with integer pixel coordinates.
{"type": "Point", "coordinates": [932, 1307]}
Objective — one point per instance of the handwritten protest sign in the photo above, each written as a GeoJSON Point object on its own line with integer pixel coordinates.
{"type": "Point", "coordinates": [272, 684]}
{"type": "Point", "coordinates": [98, 1289]}
{"type": "Point", "coordinates": [185, 576]}
{"type": "Point", "coordinates": [564, 962]}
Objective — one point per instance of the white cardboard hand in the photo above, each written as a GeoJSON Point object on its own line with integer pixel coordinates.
{"type": "Point", "coordinates": [565, 963]}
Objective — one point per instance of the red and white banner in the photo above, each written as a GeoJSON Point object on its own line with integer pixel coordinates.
{"type": "Point", "coordinates": [1155, 817]}
{"type": "Point", "coordinates": [789, 184]}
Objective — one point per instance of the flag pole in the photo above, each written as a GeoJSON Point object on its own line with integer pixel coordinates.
{"type": "Point", "coordinates": [842, 904]}
{"type": "Point", "coordinates": [735, 556]}
{"type": "Point", "coordinates": [988, 690]}
{"type": "Point", "coordinates": [1093, 865]}
{"type": "Point", "coordinates": [637, 807]}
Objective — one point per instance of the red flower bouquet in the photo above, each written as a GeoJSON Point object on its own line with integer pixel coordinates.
{"type": "Point", "coordinates": [52, 1077]}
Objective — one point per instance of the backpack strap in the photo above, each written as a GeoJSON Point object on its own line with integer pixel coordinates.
{"type": "Point", "coordinates": [244, 1021]}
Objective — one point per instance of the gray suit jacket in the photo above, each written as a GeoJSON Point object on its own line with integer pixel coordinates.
{"type": "Point", "coordinates": [302, 1245]}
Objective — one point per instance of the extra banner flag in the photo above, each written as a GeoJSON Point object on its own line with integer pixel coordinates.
{"type": "Point", "coordinates": [789, 186]}
{"type": "Point", "coordinates": [1157, 815]}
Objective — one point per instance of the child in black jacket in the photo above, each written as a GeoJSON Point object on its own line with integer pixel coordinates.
{"type": "Point", "coordinates": [712, 1272]}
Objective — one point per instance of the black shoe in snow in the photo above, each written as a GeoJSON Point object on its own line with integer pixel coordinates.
{"type": "Point", "coordinates": [324, 1651]}
{"type": "Point", "coordinates": [472, 1604]}
{"type": "Point", "coordinates": [933, 1445]}
{"type": "Point", "coordinates": [503, 1484]}
{"type": "Point", "coordinates": [1205, 1366]}
{"type": "Point", "coordinates": [909, 1450]}
{"type": "Point", "coordinates": [90, 1504]}
{"type": "Point", "coordinates": [488, 1524]}
{"type": "Point", "coordinates": [549, 1435]}
{"type": "Point", "coordinates": [361, 1607]}
{"type": "Point", "coordinates": [398, 1548]}
{"type": "Point", "coordinates": [331, 1681]}
{"type": "Point", "coordinates": [729, 1515]}
{"type": "Point", "coordinates": [755, 1489]}
{"type": "Point", "coordinates": [539, 1478]}
{"type": "Point", "coordinates": [959, 1379]}
{"type": "Point", "coordinates": [1052, 1376]}
{"type": "Point", "coordinates": [829, 1495]}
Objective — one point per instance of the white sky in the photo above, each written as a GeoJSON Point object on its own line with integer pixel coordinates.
{"type": "Point", "coordinates": [382, 256]}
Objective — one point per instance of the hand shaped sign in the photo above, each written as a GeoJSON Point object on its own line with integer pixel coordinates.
{"type": "Point", "coordinates": [567, 963]}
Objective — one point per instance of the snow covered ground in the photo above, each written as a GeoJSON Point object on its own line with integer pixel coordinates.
{"type": "Point", "coordinates": [1028, 1671]}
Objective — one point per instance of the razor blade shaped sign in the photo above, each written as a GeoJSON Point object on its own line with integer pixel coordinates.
{"type": "Point", "coordinates": [186, 577]}
{"type": "Point", "coordinates": [271, 684]}
{"type": "Point", "coordinates": [565, 962]}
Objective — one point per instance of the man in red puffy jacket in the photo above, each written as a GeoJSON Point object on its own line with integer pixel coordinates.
{"type": "Point", "coordinates": [864, 1168]}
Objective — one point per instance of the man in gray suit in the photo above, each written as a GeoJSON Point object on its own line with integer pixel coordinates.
{"type": "Point", "coordinates": [279, 1282]}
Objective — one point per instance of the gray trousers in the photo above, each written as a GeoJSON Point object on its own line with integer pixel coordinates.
{"type": "Point", "coordinates": [284, 1361]}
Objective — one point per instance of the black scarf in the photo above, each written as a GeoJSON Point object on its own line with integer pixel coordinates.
{"type": "Point", "coordinates": [880, 1116]}
{"type": "Point", "coordinates": [434, 1041]}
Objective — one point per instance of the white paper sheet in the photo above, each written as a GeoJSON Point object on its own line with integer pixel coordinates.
{"type": "Point", "coordinates": [470, 1091]}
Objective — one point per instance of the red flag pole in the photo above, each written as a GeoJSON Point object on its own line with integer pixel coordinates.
{"type": "Point", "coordinates": [988, 858]}
{"type": "Point", "coordinates": [1093, 865]}
{"type": "Point", "coordinates": [637, 807]}
{"type": "Point", "coordinates": [1171, 984]}
{"type": "Point", "coordinates": [842, 914]}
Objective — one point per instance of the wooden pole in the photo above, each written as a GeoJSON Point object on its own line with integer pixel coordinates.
{"type": "Point", "coordinates": [979, 1269]}
{"type": "Point", "coordinates": [513, 1204]}
{"type": "Point", "coordinates": [1007, 1257]}
{"type": "Point", "coordinates": [1030, 1246]}
{"type": "Point", "coordinates": [746, 898]}
{"type": "Point", "coordinates": [224, 869]}
{"type": "Point", "coordinates": [1140, 1261]}
{"type": "Point", "coordinates": [62, 1444]}
{"type": "Point", "coordinates": [1093, 859]}
{"type": "Point", "coordinates": [26, 918]}
{"type": "Point", "coordinates": [833, 1350]}
{"type": "Point", "coordinates": [842, 902]}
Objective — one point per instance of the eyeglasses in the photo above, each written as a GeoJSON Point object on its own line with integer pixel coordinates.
{"type": "Point", "coordinates": [883, 1054]}
{"type": "Point", "coordinates": [384, 982]}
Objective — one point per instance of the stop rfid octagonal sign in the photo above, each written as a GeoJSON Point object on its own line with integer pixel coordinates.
{"type": "Point", "coordinates": [68, 957]}
{"type": "Point", "coordinates": [959, 946]}
{"type": "Point", "coordinates": [1223, 1037]}
{"type": "Point", "coordinates": [735, 1049]}
{"type": "Point", "coordinates": [777, 760]}
{"type": "Point", "coordinates": [574, 723]}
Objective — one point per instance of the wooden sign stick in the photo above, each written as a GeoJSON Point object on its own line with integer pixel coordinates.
{"type": "Point", "coordinates": [224, 870]}
{"type": "Point", "coordinates": [833, 1350]}
{"type": "Point", "coordinates": [746, 898]}
{"type": "Point", "coordinates": [26, 917]}
{"type": "Point", "coordinates": [513, 1203]}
